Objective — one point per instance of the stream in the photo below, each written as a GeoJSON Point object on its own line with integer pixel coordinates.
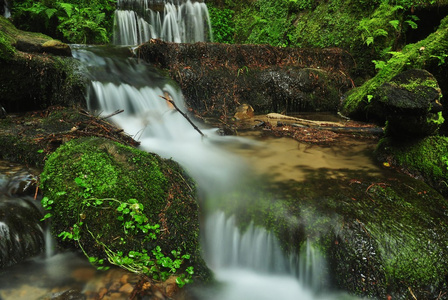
{"type": "Point", "coordinates": [250, 265]}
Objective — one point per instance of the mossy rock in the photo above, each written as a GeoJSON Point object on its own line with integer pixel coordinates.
{"type": "Point", "coordinates": [31, 78]}
{"type": "Point", "coordinates": [426, 159]}
{"type": "Point", "coordinates": [411, 104]}
{"type": "Point", "coordinates": [384, 235]}
{"type": "Point", "coordinates": [111, 170]}
{"type": "Point", "coordinates": [358, 102]}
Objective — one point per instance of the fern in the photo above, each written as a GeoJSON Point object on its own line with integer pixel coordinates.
{"type": "Point", "coordinates": [68, 8]}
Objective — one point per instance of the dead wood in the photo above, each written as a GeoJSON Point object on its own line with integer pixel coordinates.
{"type": "Point", "coordinates": [182, 113]}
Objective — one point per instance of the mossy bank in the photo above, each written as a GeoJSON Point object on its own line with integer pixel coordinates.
{"type": "Point", "coordinates": [92, 185]}
{"type": "Point", "coordinates": [36, 71]}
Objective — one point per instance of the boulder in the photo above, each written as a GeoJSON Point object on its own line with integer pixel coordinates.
{"type": "Point", "coordinates": [410, 103]}
{"type": "Point", "coordinates": [381, 236]}
{"type": "Point", "coordinates": [117, 203]}
{"type": "Point", "coordinates": [425, 159]}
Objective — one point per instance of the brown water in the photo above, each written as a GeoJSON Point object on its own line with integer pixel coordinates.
{"type": "Point", "coordinates": [287, 159]}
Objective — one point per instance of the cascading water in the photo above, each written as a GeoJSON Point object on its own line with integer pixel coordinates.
{"type": "Point", "coordinates": [141, 20]}
{"type": "Point", "coordinates": [251, 264]}
{"type": "Point", "coordinates": [6, 12]}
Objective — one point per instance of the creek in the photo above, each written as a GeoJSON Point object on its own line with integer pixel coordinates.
{"type": "Point", "coordinates": [250, 264]}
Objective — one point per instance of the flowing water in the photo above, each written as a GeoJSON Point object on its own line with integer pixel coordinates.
{"type": "Point", "coordinates": [180, 22]}
{"type": "Point", "coordinates": [250, 264]}
{"type": "Point", "coordinates": [6, 12]}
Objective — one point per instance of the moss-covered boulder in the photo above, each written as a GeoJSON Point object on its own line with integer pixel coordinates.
{"type": "Point", "coordinates": [106, 197]}
{"type": "Point", "coordinates": [380, 235]}
{"type": "Point", "coordinates": [411, 104]}
{"type": "Point", "coordinates": [428, 54]}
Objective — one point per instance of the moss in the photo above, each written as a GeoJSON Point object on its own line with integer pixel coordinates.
{"type": "Point", "coordinates": [381, 234]}
{"type": "Point", "coordinates": [111, 170]}
{"type": "Point", "coordinates": [425, 158]}
{"type": "Point", "coordinates": [418, 55]}
{"type": "Point", "coordinates": [6, 49]}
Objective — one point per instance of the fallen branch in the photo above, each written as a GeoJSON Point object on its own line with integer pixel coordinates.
{"type": "Point", "coordinates": [303, 121]}
{"type": "Point", "coordinates": [118, 111]}
{"type": "Point", "coordinates": [182, 113]}
{"type": "Point", "coordinates": [324, 125]}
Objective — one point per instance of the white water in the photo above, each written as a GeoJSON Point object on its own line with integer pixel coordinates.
{"type": "Point", "coordinates": [6, 12]}
{"type": "Point", "coordinates": [250, 264]}
{"type": "Point", "coordinates": [185, 22]}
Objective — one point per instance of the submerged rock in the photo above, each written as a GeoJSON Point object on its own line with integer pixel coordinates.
{"type": "Point", "coordinates": [101, 194]}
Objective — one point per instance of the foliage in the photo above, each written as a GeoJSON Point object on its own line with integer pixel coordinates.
{"type": "Point", "coordinates": [73, 21]}
{"type": "Point", "coordinates": [157, 266]}
{"type": "Point", "coordinates": [418, 55]}
{"type": "Point", "coordinates": [265, 22]}
{"type": "Point", "coordinates": [223, 25]}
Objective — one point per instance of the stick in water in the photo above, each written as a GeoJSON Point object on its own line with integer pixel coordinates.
{"type": "Point", "coordinates": [168, 99]}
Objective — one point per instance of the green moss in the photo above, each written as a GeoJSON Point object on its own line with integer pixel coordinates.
{"type": "Point", "coordinates": [426, 158]}
{"type": "Point", "coordinates": [418, 55]}
{"type": "Point", "coordinates": [109, 170]}
{"type": "Point", "coordinates": [6, 49]}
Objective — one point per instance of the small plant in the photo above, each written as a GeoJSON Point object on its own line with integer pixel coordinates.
{"type": "Point", "coordinates": [153, 263]}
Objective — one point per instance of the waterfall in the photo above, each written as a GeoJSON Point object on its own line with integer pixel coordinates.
{"type": "Point", "coordinates": [6, 12]}
{"type": "Point", "coordinates": [138, 21]}
{"type": "Point", "coordinates": [250, 264]}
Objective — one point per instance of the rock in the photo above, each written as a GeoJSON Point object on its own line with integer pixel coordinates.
{"type": "Point", "coordinates": [215, 78]}
{"type": "Point", "coordinates": [411, 104]}
{"type": "Point", "coordinates": [244, 111]}
{"type": "Point", "coordinates": [135, 183]}
{"type": "Point", "coordinates": [57, 48]}
{"type": "Point", "coordinates": [49, 79]}
{"type": "Point", "coordinates": [21, 231]}
{"type": "Point", "coordinates": [378, 235]}
{"type": "Point", "coordinates": [71, 294]}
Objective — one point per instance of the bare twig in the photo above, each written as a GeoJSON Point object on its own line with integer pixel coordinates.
{"type": "Point", "coordinates": [118, 111]}
{"type": "Point", "coordinates": [183, 114]}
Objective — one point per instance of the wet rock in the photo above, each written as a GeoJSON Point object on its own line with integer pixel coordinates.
{"type": "Point", "coordinates": [21, 230]}
{"type": "Point", "coordinates": [380, 235]}
{"type": "Point", "coordinates": [216, 78]}
{"type": "Point", "coordinates": [69, 295]}
{"type": "Point", "coordinates": [410, 103]}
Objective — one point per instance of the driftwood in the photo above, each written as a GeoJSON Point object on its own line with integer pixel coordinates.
{"type": "Point", "coordinates": [337, 127]}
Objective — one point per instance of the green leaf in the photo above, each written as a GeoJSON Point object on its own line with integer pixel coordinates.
{"type": "Point", "coordinates": [412, 24]}
{"type": "Point", "coordinates": [369, 40]}
{"type": "Point", "coordinates": [49, 215]}
{"type": "Point", "coordinates": [68, 8]}
{"type": "Point", "coordinates": [394, 24]}
{"type": "Point", "coordinates": [50, 12]}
